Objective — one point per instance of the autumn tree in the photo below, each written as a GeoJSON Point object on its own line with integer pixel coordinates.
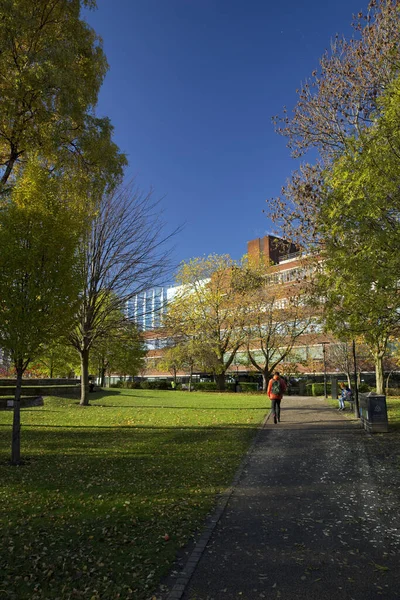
{"type": "Point", "coordinates": [51, 68]}
{"type": "Point", "coordinates": [122, 254]}
{"type": "Point", "coordinates": [58, 359]}
{"type": "Point", "coordinates": [40, 280]}
{"type": "Point", "coordinates": [278, 317]}
{"type": "Point", "coordinates": [124, 351]}
{"type": "Point", "coordinates": [345, 208]}
{"type": "Point", "coordinates": [340, 102]}
{"type": "Point", "coordinates": [361, 212]}
{"type": "Point", "coordinates": [185, 355]}
{"type": "Point", "coordinates": [209, 309]}
{"type": "Point", "coordinates": [339, 357]}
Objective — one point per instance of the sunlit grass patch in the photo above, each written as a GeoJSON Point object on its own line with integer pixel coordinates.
{"type": "Point", "coordinates": [87, 514]}
{"type": "Point", "coordinates": [393, 408]}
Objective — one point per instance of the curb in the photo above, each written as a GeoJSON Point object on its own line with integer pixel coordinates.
{"type": "Point", "coordinates": [185, 575]}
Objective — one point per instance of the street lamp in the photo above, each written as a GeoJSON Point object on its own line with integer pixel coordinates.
{"type": "Point", "coordinates": [324, 356]}
{"type": "Point", "coordinates": [356, 403]}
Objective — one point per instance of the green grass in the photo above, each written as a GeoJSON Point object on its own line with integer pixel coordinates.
{"type": "Point", "coordinates": [393, 408]}
{"type": "Point", "coordinates": [86, 515]}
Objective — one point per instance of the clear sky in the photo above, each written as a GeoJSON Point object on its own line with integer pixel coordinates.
{"type": "Point", "coordinates": [191, 90]}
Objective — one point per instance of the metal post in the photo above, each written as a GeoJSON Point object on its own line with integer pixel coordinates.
{"type": "Point", "coordinates": [324, 355]}
{"type": "Point", "coordinates": [356, 403]}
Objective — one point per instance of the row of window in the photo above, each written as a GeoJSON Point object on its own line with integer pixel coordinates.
{"type": "Point", "coordinates": [147, 308]}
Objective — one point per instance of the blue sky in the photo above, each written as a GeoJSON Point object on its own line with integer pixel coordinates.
{"type": "Point", "coordinates": [191, 90]}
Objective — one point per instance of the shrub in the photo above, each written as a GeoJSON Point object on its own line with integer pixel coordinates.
{"type": "Point", "coordinates": [317, 389]}
{"type": "Point", "coordinates": [364, 387]}
{"type": "Point", "coordinates": [131, 385]}
{"type": "Point", "coordinates": [206, 386]}
{"type": "Point", "coordinates": [118, 384]}
{"type": "Point", "coordinates": [157, 384]}
{"type": "Point", "coordinates": [248, 386]}
{"type": "Point", "coordinates": [230, 387]}
{"type": "Point", "coordinates": [161, 384]}
{"type": "Point", "coordinates": [392, 391]}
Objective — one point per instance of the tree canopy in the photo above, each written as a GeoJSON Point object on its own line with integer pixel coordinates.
{"type": "Point", "coordinates": [51, 68]}
{"type": "Point", "coordinates": [344, 208]}
{"type": "Point", "coordinates": [40, 279]}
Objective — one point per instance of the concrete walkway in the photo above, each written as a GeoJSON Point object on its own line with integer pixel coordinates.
{"type": "Point", "coordinates": [314, 513]}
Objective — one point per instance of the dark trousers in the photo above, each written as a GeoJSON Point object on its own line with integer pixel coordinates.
{"type": "Point", "coordinates": [276, 408]}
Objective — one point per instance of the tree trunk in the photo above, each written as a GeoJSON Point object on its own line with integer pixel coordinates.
{"type": "Point", "coordinates": [348, 380]}
{"type": "Point", "coordinates": [102, 376]}
{"type": "Point", "coordinates": [379, 374]}
{"type": "Point", "coordinates": [16, 428]}
{"type": "Point", "coordinates": [265, 382]}
{"type": "Point", "coordinates": [387, 380]}
{"type": "Point", "coordinates": [84, 377]}
{"type": "Point", "coordinates": [220, 381]}
{"type": "Point", "coordinates": [190, 378]}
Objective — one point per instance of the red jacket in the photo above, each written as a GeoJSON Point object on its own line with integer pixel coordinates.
{"type": "Point", "coordinates": [282, 385]}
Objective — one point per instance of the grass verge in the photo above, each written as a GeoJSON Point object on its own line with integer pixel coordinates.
{"type": "Point", "coordinates": [108, 493]}
{"type": "Point", "coordinates": [393, 410]}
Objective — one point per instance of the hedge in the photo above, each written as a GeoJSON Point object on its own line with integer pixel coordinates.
{"type": "Point", "coordinates": [317, 389]}
{"type": "Point", "coordinates": [247, 386]}
{"type": "Point", "coordinates": [206, 386]}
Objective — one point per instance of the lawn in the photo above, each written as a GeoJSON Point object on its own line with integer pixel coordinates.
{"type": "Point", "coordinates": [109, 493]}
{"type": "Point", "coordinates": [393, 408]}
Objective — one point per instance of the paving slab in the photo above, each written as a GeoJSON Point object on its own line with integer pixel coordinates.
{"type": "Point", "coordinates": [314, 513]}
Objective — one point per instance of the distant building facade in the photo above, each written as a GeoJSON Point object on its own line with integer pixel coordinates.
{"type": "Point", "coordinates": [283, 266]}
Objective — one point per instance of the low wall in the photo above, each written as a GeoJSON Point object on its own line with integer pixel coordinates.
{"type": "Point", "coordinates": [34, 382]}
{"type": "Point", "coordinates": [45, 390]}
{"type": "Point", "coordinates": [8, 403]}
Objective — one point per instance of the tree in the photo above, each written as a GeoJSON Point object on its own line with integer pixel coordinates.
{"type": "Point", "coordinates": [123, 254]}
{"type": "Point", "coordinates": [391, 361]}
{"type": "Point", "coordinates": [362, 211]}
{"type": "Point", "coordinates": [209, 309]}
{"type": "Point", "coordinates": [279, 316]}
{"type": "Point", "coordinates": [345, 208]}
{"type": "Point", "coordinates": [184, 355]}
{"type": "Point", "coordinates": [127, 351]}
{"type": "Point", "coordinates": [39, 281]}
{"type": "Point", "coordinates": [51, 68]}
{"type": "Point", "coordinates": [339, 103]}
{"type": "Point", "coordinates": [339, 356]}
{"type": "Point", "coordinates": [58, 359]}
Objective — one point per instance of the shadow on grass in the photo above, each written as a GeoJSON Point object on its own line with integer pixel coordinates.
{"type": "Point", "coordinates": [228, 426]}
{"type": "Point", "coordinates": [168, 407]}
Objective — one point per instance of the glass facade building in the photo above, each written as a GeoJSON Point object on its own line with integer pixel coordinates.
{"type": "Point", "coordinates": [148, 308]}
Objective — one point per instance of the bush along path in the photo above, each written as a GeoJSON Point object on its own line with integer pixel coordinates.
{"type": "Point", "coordinates": [315, 514]}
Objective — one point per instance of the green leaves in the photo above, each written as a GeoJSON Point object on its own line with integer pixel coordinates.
{"type": "Point", "coordinates": [52, 67]}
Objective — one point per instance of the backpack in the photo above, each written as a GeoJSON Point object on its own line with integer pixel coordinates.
{"type": "Point", "coordinates": [349, 396]}
{"type": "Point", "coordinates": [276, 387]}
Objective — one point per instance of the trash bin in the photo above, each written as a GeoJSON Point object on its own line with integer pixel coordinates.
{"type": "Point", "coordinates": [373, 412]}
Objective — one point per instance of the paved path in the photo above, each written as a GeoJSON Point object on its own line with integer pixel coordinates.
{"type": "Point", "coordinates": [314, 514]}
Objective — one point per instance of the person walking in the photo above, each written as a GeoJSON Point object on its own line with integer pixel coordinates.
{"type": "Point", "coordinates": [275, 391]}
